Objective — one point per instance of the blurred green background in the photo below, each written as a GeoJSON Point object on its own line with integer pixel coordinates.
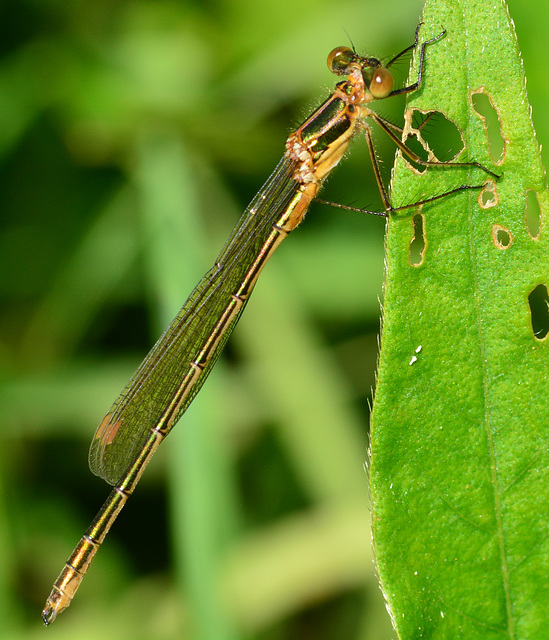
{"type": "Point", "coordinates": [132, 135]}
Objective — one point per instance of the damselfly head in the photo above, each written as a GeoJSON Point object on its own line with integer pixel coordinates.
{"type": "Point", "coordinates": [377, 78]}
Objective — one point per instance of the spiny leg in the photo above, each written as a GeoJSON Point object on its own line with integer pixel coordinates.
{"type": "Point", "coordinates": [390, 129]}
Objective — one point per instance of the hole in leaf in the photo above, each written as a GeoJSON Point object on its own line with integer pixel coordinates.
{"type": "Point", "coordinates": [415, 145]}
{"type": "Point", "coordinates": [532, 214]}
{"type": "Point", "coordinates": [539, 310]}
{"type": "Point", "coordinates": [486, 110]}
{"type": "Point", "coordinates": [431, 136]}
{"type": "Point", "coordinates": [488, 197]}
{"type": "Point", "coordinates": [417, 244]}
{"type": "Point", "coordinates": [441, 135]}
{"type": "Point", "coordinates": [501, 237]}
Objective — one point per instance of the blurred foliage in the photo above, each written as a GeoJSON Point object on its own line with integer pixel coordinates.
{"type": "Point", "coordinates": [253, 521]}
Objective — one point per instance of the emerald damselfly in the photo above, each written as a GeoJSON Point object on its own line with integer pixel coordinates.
{"type": "Point", "coordinates": [176, 367]}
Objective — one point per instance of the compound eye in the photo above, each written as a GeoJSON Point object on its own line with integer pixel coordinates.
{"type": "Point", "coordinates": [339, 59]}
{"type": "Point", "coordinates": [382, 83]}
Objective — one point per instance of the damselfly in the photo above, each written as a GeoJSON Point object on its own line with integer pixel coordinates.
{"type": "Point", "coordinates": [176, 367]}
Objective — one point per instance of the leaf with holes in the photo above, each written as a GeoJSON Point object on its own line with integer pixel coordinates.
{"type": "Point", "coordinates": [460, 437]}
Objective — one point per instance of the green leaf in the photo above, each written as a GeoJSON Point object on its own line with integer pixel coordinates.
{"type": "Point", "coordinates": [460, 445]}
